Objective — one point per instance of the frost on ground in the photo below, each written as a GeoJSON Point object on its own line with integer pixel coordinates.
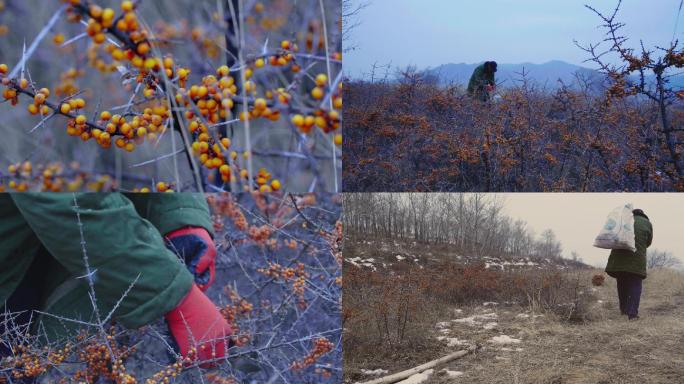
{"type": "Point", "coordinates": [504, 339]}
{"type": "Point", "coordinates": [418, 377]}
{"type": "Point", "coordinates": [374, 372]}
{"type": "Point", "coordinates": [510, 349]}
{"type": "Point", "coordinates": [359, 261]}
{"type": "Point", "coordinates": [477, 320]}
{"type": "Point", "coordinates": [452, 374]}
{"type": "Point", "coordinates": [452, 341]}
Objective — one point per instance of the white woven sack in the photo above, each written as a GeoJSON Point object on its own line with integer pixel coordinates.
{"type": "Point", "coordinates": [618, 231]}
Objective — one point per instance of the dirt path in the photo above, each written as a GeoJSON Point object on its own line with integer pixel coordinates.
{"type": "Point", "coordinates": [522, 347]}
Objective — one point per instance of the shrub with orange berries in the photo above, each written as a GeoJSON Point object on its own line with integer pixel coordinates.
{"type": "Point", "coordinates": [276, 285]}
{"type": "Point", "coordinates": [193, 103]}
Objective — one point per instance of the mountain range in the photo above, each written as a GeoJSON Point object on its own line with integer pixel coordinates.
{"type": "Point", "coordinates": [546, 74]}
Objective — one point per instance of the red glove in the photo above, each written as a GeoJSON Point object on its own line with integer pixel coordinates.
{"type": "Point", "coordinates": [197, 323]}
{"type": "Point", "coordinates": [195, 246]}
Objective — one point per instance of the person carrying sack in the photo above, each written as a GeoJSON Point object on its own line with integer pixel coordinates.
{"type": "Point", "coordinates": [629, 267]}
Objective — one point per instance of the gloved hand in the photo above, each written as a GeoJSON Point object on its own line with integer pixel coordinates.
{"type": "Point", "coordinates": [195, 246]}
{"type": "Point", "coordinates": [196, 322]}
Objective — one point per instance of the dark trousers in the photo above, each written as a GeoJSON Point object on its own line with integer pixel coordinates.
{"type": "Point", "coordinates": [629, 293]}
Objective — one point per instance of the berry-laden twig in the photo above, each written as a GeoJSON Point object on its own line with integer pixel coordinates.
{"type": "Point", "coordinates": [204, 110]}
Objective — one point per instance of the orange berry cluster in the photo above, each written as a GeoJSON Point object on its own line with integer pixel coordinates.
{"type": "Point", "coordinates": [160, 187]}
{"type": "Point", "coordinates": [52, 177]}
{"type": "Point", "coordinates": [321, 347]}
{"type": "Point", "coordinates": [327, 121]}
{"type": "Point", "coordinates": [100, 363]}
{"type": "Point", "coordinates": [226, 207]}
{"type": "Point", "coordinates": [214, 378]}
{"type": "Point", "coordinates": [67, 85]}
{"type": "Point", "coordinates": [170, 373]}
{"type": "Point", "coordinates": [31, 363]}
{"type": "Point", "coordinates": [297, 276]}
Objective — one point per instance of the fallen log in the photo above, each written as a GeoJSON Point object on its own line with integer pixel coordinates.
{"type": "Point", "coordinates": [424, 367]}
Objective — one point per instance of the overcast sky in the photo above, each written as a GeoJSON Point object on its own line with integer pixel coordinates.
{"type": "Point", "coordinates": [577, 218]}
{"type": "Point", "coordinates": [428, 33]}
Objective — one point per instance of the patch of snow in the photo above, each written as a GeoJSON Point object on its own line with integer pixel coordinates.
{"type": "Point", "coordinates": [490, 325]}
{"type": "Point", "coordinates": [600, 301]}
{"type": "Point", "coordinates": [453, 341]}
{"type": "Point", "coordinates": [511, 349]}
{"type": "Point", "coordinates": [504, 339]}
{"type": "Point", "coordinates": [458, 310]}
{"type": "Point", "coordinates": [418, 377]}
{"type": "Point", "coordinates": [488, 265]}
{"type": "Point", "coordinates": [452, 374]}
{"type": "Point", "coordinates": [442, 324]}
{"type": "Point", "coordinates": [488, 303]}
{"type": "Point", "coordinates": [400, 257]}
{"type": "Point", "coordinates": [476, 320]}
{"type": "Point", "coordinates": [358, 261]}
{"type": "Point", "coordinates": [522, 315]}
{"type": "Point", "coordinates": [374, 372]}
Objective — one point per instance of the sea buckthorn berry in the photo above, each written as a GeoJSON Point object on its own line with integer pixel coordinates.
{"type": "Point", "coordinates": [105, 115]}
{"type": "Point", "coordinates": [322, 80]}
{"type": "Point", "coordinates": [143, 48]}
{"type": "Point", "coordinates": [58, 39]}
{"type": "Point", "coordinates": [127, 6]}
{"type": "Point", "coordinates": [162, 187]}
{"type": "Point", "coordinates": [23, 83]}
{"type": "Point", "coordinates": [259, 63]}
{"type": "Point", "coordinates": [225, 142]}
{"type": "Point", "coordinates": [298, 120]}
{"type": "Point", "coordinates": [317, 93]}
{"type": "Point", "coordinates": [39, 99]}
{"type": "Point", "coordinates": [260, 103]}
{"type": "Point", "coordinates": [107, 15]}
{"type": "Point", "coordinates": [285, 44]}
{"type": "Point", "coordinates": [65, 108]}
{"type": "Point", "coordinates": [80, 119]}
{"type": "Point", "coordinates": [3, 68]}
{"type": "Point", "coordinates": [338, 139]}
{"type": "Point", "coordinates": [275, 184]}
{"type": "Point", "coordinates": [95, 11]}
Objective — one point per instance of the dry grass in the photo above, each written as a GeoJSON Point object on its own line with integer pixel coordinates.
{"type": "Point", "coordinates": [607, 350]}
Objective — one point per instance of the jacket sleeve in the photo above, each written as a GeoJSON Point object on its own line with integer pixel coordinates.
{"type": "Point", "coordinates": [171, 211]}
{"type": "Point", "coordinates": [120, 246]}
{"type": "Point", "coordinates": [650, 235]}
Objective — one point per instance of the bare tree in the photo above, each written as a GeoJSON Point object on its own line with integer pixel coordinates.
{"type": "Point", "coordinates": [661, 259]}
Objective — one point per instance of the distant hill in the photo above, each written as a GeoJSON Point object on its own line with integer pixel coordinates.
{"type": "Point", "coordinates": [546, 74]}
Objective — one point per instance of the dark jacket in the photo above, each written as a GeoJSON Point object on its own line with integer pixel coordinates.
{"type": "Point", "coordinates": [621, 260]}
{"type": "Point", "coordinates": [479, 81]}
{"type": "Point", "coordinates": [123, 239]}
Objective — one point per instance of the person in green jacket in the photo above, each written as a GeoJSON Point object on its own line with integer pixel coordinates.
{"type": "Point", "coordinates": [629, 268]}
{"type": "Point", "coordinates": [482, 81]}
{"type": "Point", "coordinates": [147, 256]}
